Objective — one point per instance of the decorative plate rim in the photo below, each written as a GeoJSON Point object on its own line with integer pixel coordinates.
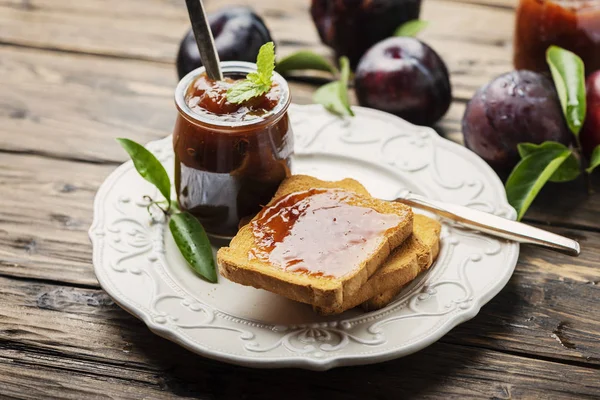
{"type": "Point", "coordinates": [295, 360]}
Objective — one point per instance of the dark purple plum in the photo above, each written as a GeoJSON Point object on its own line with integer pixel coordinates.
{"type": "Point", "coordinates": [590, 133]}
{"type": "Point", "coordinates": [519, 106]}
{"type": "Point", "coordinates": [238, 33]}
{"type": "Point", "coordinates": [350, 27]}
{"type": "Point", "coordinates": [405, 77]}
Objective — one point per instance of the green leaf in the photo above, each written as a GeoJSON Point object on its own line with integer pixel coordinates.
{"type": "Point", "coordinates": [334, 95]}
{"type": "Point", "coordinates": [265, 63]}
{"type": "Point", "coordinates": [568, 170]}
{"type": "Point", "coordinates": [302, 60]}
{"type": "Point", "coordinates": [569, 78]}
{"type": "Point", "coordinates": [411, 28]}
{"type": "Point", "coordinates": [256, 83]}
{"type": "Point", "coordinates": [193, 243]}
{"type": "Point", "coordinates": [245, 90]}
{"type": "Point", "coordinates": [594, 160]}
{"type": "Point", "coordinates": [343, 87]}
{"type": "Point", "coordinates": [530, 175]}
{"type": "Point", "coordinates": [148, 167]}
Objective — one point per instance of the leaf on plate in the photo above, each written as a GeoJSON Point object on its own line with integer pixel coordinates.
{"type": "Point", "coordinates": [530, 175]}
{"type": "Point", "coordinates": [334, 95]}
{"type": "Point", "coordinates": [193, 243]}
{"type": "Point", "coordinates": [568, 73]}
{"type": "Point", "coordinates": [568, 170]}
{"type": "Point", "coordinates": [594, 159]}
{"type": "Point", "coordinates": [148, 166]}
{"type": "Point", "coordinates": [303, 60]}
{"type": "Point", "coordinates": [411, 28]}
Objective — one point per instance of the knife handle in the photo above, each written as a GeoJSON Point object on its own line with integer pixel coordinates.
{"type": "Point", "coordinates": [494, 225]}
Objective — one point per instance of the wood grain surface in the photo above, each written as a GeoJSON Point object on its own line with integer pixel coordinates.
{"type": "Point", "coordinates": [75, 75]}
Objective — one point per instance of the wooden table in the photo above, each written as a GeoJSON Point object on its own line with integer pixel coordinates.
{"type": "Point", "coordinates": [76, 74]}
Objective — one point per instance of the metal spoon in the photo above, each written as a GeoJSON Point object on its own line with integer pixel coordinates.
{"type": "Point", "coordinates": [493, 225]}
{"type": "Point", "coordinates": [204, 39]}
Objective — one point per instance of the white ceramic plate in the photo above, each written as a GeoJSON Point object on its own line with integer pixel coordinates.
{"type": "Point", "coordinates": [138, 264]}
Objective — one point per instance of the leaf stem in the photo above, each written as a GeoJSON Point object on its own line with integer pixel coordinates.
{"type": "Point", "coordinates": [583, 165]}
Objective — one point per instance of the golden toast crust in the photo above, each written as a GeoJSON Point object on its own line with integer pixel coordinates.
{"type": "Point", "coordinates": [430, 237]}
{"type": "Point", "coordinates": [235, 265]}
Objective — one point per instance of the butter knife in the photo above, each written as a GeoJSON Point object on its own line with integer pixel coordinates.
{"type": "Point", "coordinates": [493, 225]}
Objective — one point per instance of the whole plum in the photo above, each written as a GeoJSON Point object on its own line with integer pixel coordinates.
{"type": "Point", "coordinates": [590, 133]}
{"type": "Point", "coordinates": [238, 31]}
{"type": "Point", "coordinates": [405, 77]}
{"type": "Point", "coordinates": [351, 27]}
{"type": "Point", "coordinates": [519, 106]}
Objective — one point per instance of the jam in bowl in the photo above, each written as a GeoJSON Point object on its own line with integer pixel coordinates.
{"type": "Point", "coordinates": [229, 158]}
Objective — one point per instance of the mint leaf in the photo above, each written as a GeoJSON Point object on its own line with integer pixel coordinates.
{"type": "Point", "coordinates": [334, 95]}
{"type": "Point", "coordinates": [530, 175]}
{"type": "Point", "coordinates": [411, 28]}
{"type": "Point", "coordinates": [594, 160]}
{"type": "Point", "coordinates": [193, 243]}
{"type": "Point", "coordinates": [568, 170]}
{"type": "Point", "coordinates": [256, 83]}
{"type": "Point", "coordinates": [304, 59]}
{"type": "Point", "coordinates": [148, 166]}
{"type": "Point", "coordinates": [245, 90]}
{"type": "Point", "coordinates": [265, 63]}
{"type": "Point", "coordinates": [569, 78]}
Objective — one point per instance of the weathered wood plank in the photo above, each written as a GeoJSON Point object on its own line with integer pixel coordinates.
{"type": "Point", "coordinates": [73, 107]}
{"type": "Point", "coordinates": [77, 341]}
{"type": "Point", "coordinates": [46, 210]}
{"type": "Point", "coordinates": [548, 309]}
{"type": "Point", "coordinates": [152, 29]}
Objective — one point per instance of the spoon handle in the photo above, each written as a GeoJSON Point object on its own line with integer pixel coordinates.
{"type": "Point", "coordinates": [204, 39]}
{"type": "Point", "coordinates": [494, 225]}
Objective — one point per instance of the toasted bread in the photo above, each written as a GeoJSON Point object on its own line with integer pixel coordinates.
{"type": "Point", "coordinates": [427, 231]}
{"type": "Point", "coordinates": [323, 291]}
{"type": "Point", "coordinates": [402, 266]}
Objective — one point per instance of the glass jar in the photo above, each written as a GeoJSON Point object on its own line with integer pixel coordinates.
{"type": "Point", "coordinates": [571, 24]}
{"type": "Point", "coordinates": [226, 169]}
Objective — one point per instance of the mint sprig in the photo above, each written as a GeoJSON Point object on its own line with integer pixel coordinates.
{"type": "Point", "coordinates": [256, 83]}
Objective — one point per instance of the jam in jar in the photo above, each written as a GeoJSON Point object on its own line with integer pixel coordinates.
{"type": "Point", "coordinates": [229, 158]}
{"type": "Point", "coordinates": [571, 24]}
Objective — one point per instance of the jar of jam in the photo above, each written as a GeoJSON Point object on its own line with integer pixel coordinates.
{"type": "Point", "coordinates": [571, 24]}
{"type": "Point", "coordinates": [229, 158]}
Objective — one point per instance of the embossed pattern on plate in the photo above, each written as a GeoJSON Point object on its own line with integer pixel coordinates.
{"type": "Point", "coordinates": [137, 262]}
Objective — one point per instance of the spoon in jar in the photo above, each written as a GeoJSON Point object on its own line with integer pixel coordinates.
{"type": "Point", "coordinates": [204, 39]}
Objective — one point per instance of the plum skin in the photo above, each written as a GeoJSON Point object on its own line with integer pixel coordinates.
{"type": "Point", "coordinates": [238, 32]}
{"type": "Point", "coordinates": [590, 133]}
{"type": "Point", "coordinates": [405, 77]}
{"type": "Point", "coordinates": [516, 107]}
{"type": "Point", "coordinates": [351, 27]}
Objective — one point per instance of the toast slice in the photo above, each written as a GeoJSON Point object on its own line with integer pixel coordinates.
{"type": "Point", "coordinates": [428, 233]}
{"type": "Point", "coordinates": [324, 291]}
{"type": "Point", "coordinates": [412, 257]}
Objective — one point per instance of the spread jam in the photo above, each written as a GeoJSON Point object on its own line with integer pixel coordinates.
{"type": "Point", "coordinates": [319, 232]}
{"type": "Point", "coordinates": [571, 24]}
{"type": "Point", "coordinates": [229, 158]}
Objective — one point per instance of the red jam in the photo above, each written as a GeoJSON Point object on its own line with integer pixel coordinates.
{"type": "Point", "coordinates": [207, 96]}
{"type": "Point", "coordinates": [319, 232]}
{"type": "Point", "coordinates": [229, 158]}
{"type": "Point", "coordinates": [571, 24]}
